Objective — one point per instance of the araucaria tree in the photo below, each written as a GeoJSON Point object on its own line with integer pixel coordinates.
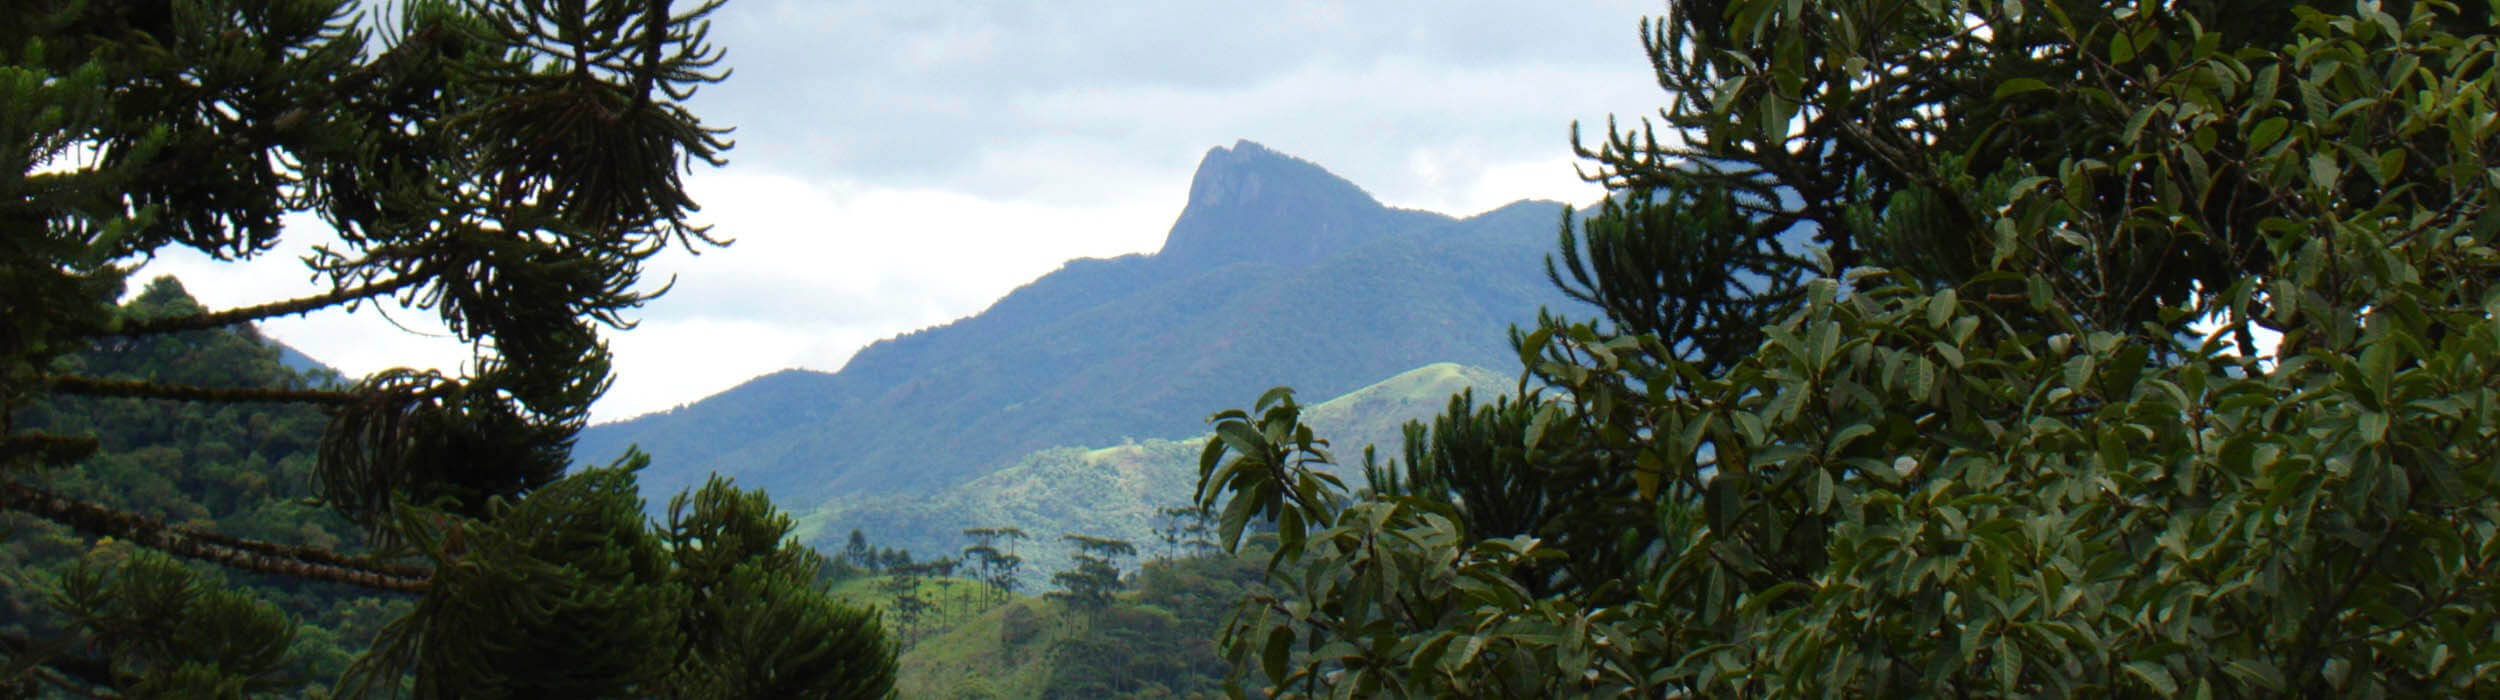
{"type": "Point", "coordinates": [505, 164]}
{"type": "Point", "coordinates": [1928, 363]}
{"type": "Point", "coordinates": [1091, 585]}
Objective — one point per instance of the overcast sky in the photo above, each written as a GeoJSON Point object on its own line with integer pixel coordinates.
{"type": "Point", "coordinates": [903, 164]}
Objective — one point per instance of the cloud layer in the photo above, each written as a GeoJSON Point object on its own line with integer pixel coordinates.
{"type": "Point", "coordinates": [900, 165]}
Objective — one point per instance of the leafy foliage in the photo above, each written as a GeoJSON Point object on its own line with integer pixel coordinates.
{"type": "Point", "coordinates": [504, 164]}
{"type": "Point", "coordinates": [2013, 473]}
{"type": "Point", "coordinates": [235, 467]}
{"type": "Point", "coordinates": [720, 603]}
{"type": "Point", "coordinates": [174, 630]}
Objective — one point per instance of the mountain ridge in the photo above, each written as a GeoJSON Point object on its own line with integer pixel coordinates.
{"type": "Point", "coordinates": [1114, 490]}
{"type": "Point", "coordinates": [1275, 272]}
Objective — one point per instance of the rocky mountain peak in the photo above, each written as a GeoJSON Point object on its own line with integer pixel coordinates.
{"type": "Point", "coordinates": [1251, 203]}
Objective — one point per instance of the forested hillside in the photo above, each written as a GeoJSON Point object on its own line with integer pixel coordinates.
{"type": "Point", "coordinates": [1275, 269]}
{"type": "Point", "coordinates": [1118, 490]}
{"type": "Point", "coordinates": [241, 468]}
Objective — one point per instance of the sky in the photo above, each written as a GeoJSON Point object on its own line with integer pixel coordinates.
{"type": "Point", "coordinates": [902, 165]}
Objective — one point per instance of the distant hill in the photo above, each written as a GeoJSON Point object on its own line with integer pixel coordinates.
{"type": "Point", "coordinates": [1276, 272]}
{"type": "Point", "coordinates": [296, 360]}
{"type": "Point", "coordinates": [1114, 491]}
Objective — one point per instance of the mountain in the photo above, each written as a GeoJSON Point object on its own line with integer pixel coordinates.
{"type": "Point", "coordinates": [1114, 491]}
{"type": "Point", "coordinates": [1276, 272]}
{"type": "Point", "coordinates": [301, 363]}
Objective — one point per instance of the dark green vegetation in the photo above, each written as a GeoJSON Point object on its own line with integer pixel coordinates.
{"type": "Point", "coordinates": [1978, 450]}
{"type": "Point", "coordinates": [1276, 269]}
{"type": "Point", "coordinates": [240, 469]}
{"type": "Point", "coordinates": [1114, 491]}
{"type": "Point", "coordinates": [507, 165]}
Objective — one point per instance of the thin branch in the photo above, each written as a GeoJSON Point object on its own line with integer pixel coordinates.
{"type": "Point", "coordinates": [64, 670]}
{"type": "Point", "coordinates": [249, 555]}
{"type": "Point", "coordinates": [149, 390]}
{"type": "Point", "coordinates": [49, 450]}
{"type": "Point", "coordinates": [221, 319]}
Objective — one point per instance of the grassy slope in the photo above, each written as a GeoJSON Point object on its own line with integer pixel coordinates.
{"type": "Point", "coordinates": [954, 600]}
{"type": "Point", "coordinates": [1114, 491]}
{"type": "Point", "coordinates": [1160, 636]}
{"type": "Point", "coordinates": [975, 659]}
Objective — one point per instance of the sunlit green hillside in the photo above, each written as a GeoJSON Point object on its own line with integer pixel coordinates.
{"type": "Point", "coordinates": [1115, 491]}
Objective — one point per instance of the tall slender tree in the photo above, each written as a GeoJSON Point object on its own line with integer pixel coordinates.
{"type": "Point", "coordinates": [1090, 587]}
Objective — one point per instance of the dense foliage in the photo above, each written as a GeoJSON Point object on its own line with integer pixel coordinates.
{"type": "Point", "coordinates": [1983, 446]}
{"type": "Point", "coordinates": [235, 468]}
{"type": "Point", "coordinates": [505, 164]}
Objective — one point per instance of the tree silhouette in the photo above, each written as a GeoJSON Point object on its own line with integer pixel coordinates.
{"type": "Point", "coordinates": [1090, 586]}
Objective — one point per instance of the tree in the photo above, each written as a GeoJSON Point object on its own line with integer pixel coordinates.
{"type": "Point", "coordinates": [1090, 586]}
{"type": "Point", "coordinates": [983, 554]}
{"type": "Point", "coordinates": [1982, 446]}
{"type": "Point", "coordinates": [1183, 528]}
{"type": "Point", "coordinates": [858, 551]}
{"type": "Point", "coordinates": [504, 164]}
{"type": "Point", "coordinates": [236, 468]}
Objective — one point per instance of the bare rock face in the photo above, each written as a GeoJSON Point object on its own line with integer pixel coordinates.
{"type": "Point", "coordinates": [1251, 204]}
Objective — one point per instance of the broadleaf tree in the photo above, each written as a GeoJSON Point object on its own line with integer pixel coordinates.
{"type": "Point", "coordinates": [505, 165]}
{"type": "Point", "coordinates": [2010, 427]}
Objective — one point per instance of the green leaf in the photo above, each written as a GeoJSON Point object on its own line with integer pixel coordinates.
{"type": "Point", "coordinates": [1646, 470]}
{"type": "Point", "coordinates": [1543, 421]}
{"type": "Point", "coordinates": [2135, 124]}
{"type": "Point", "coordinates": [1279, 650]}
{"type": "Point", "coordinates": [2019, 86]}
{"type": "Point", "coordinates": [1534, 345]}
{"type": "Point", "coordinates": [2266, 133]}
{"type": "Point", "coordinates": [1942, 307]}
{"type": "Point", "coordinates": [1826, 344]}
{"type": "Point", "coordinates": [2263, 674]}
{"type": "Point", "coordinates": [1249, 442]}
{"type": "Point", "coordinates": [1275, 396]}
{"type": "Point", "coordinates": [2153, 674]}
{"type": "Point", "coordinates": [2373, 426]}
{"type": "Point", "coordinates": [1841, 440]}
{"type": "Point", "coordinates": [1952, 355]}
{"type": "Point", "coordinates": [1237, 516]}
{"type": "Point", "coordinates": [2378, 368]}
{"type": "Point", "coordinates": [2322, 171]}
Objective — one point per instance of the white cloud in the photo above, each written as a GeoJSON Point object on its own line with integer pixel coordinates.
{"type": "Point", "coordinates": [900, 165]}
{"type": "Point", "coordinates": [375, 337]}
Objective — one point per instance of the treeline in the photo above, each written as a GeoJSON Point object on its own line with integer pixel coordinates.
{"type": "Point", "coordinates": [921, 597]}
{"type": "Point", "coordinates": [1153, 636]}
